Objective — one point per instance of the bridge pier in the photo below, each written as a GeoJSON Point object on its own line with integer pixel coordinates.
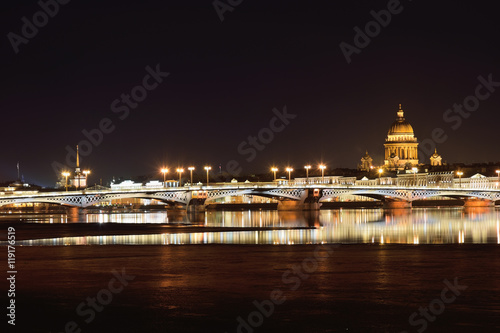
{"type": "Point", "coordinates": [76, 214]}
{"type": "Point", "coordinates": [308, 201]}
{"type": "Point", "coordinates": [196, 206]}
{"type": "Point", "coordinates": [473, 202]}
{"type": "Point", "coordinates": [285, 205]}
{"type": "Point", "coordinates": [288, 205]}
{"type": "Point", "coordinates": [395, 204]}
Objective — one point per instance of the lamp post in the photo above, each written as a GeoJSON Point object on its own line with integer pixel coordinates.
{"type": "Point", "coordinates": [66, 174]}
{"type": "Point", "coordinates": [86, 173]}
{"type": "Point", "coordinates": [274, 170]}
{"type": "Point", "coordinates": [414, 175]}
{"type": "Point", "coordinates": [180, 171]}
{"type": "Point", "coordinates": [498, 173]}
{"type": "Point", "coordinates": [460, 173]}
{"type": "Point", "coordinates": [164, 171]}
{"type": "Point", "coordinates": [191, 171]}
{"type": "Point", "coordinates": [307, 167]}
{"type": "Point", "coordinates": [289, 170]}
{"type": "Point", "coordinates": [322, 167]}
{"type": "Point", "coordinates": [208, 168]}
{"type": "Point", "coordinates": [380, 171]}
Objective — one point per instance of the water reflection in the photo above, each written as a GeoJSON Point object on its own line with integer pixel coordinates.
{"type": "Point", "coordinates": [35, 218]}
{"type": "Point", "coordinates": [233, 219]}
{"type": "Point", "coordinates": [404, 226]}
{"type": "Point", "coordinates": [261, 219]}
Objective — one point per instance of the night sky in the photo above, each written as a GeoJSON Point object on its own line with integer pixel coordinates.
{"type": "Point", "coordinates": [226, 77]}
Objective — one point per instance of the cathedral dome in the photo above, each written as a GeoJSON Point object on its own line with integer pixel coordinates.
{"type": "Point", "coordinates": [400, 126]}
{"type": "Point", "coordinates": [401, 145]}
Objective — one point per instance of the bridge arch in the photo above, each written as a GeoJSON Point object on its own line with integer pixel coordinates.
{"type": "Point", "coordinates": [379, 194]}
{"type": "Point", "coordinates": [187, 196]}
{"type": "Point", "coordinates": [86, 200]}
{"type": "Point", "coordinates": [293, 194]}
{"type": "Point", "coordinates": [423, 194]}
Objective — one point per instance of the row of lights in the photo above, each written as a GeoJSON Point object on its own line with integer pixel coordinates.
{"type": "Point", "coordinates": [322, 167]}
{"type": "Point", "coordinates": [181, 170]}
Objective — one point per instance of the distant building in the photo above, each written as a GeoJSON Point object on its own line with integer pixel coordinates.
{"type": "Point", "coordinates": [401, 146]}
{"type": "Point", "coordinates": [340, 180]}
{"type": "Point", "coordinates": [153, 184]}
{"type": "Point", "coordinates": [366, 163]}
{"type": "Point", "coordinates": [436, 159]}
{"type": "Point", "coordinates": [79, 180]}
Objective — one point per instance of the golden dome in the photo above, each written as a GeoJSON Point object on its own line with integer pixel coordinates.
{"type": "Point", "coordinates": [400, 126]}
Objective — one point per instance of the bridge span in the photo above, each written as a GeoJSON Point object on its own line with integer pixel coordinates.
{"type": "Point", "coordinates": [290, 195]}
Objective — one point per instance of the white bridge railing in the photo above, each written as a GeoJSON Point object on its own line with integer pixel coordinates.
{"type": "Point", "coordinates": [457, 186]}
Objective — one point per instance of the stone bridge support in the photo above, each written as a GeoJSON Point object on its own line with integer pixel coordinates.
{"type": "Point", "coordinates": [196, 206]}
{"type": "Point", "coordinates": [309, 200]}
{"type": "Point", "coordinates": [475, 202]}
{"type": "Point", "coordinates": [196, 201]}
{"type": "Point", "coordinates": [395, 203]}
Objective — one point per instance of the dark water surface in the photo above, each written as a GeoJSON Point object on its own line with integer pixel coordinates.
{"type": "Point", "coordinates": [200, 288]}
{"type": "Point", "coordinates": [361, 270]}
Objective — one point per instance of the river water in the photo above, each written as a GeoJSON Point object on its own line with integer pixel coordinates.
{"type": "Point", "coordinates": [350, 226]}
{"type": "Point", "coordinates": [375, 285]}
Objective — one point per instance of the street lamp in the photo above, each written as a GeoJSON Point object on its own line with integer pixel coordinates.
{"type": "Point", "coordinates": [66, 174]}
{"type": "Point", "coordinates": [86, 173]}
{"type": "Point", "coordinates": [498, 173]}
{"type": "Point", "coordinates": [322, 167]}
{"type": "Point", "coordinates": [414, 175]}
{"type": "Point", "coordinates": [460, 173]}
{"type": "Point", "coordinates": [307, 167]}
{"type": "Point", "coordinates": [380, 171]}
{"type": "Point", "coordinates": [180, 171]}
{"type": "Point", "coordinates": [191, 171]}
{"type": "Point", "coordinates": [208, 168]}
{"type": "Point", "coordinates": [164, 171]}
{"type": "Point", "coordinates": [274, 170]}
{"type": "Point", "coordinates": [289, 170]}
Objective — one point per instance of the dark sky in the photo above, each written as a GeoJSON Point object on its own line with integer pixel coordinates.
{"type": "Point", "coordinates": [225, 78]}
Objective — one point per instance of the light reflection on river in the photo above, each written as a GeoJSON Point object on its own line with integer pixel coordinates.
{"type": "Point", "coordinates": [404, 226]}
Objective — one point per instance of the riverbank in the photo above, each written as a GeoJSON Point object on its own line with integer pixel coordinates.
{"type": "Point", "coordinates": [347, 288]}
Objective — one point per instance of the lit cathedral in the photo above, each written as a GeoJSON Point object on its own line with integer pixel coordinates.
{"type": "Point", "coordinates": [401, 147]}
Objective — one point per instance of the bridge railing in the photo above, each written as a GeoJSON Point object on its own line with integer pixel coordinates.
{"type": "Point", "coordinates": [458, 184]}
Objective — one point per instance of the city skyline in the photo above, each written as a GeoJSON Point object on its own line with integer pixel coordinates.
{"type": "Point", "coordinates": [71, 168]}
{"type": "Point", "coordinates": [199, 87]}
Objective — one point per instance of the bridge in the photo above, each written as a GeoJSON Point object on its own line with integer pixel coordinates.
{"type": "Point", "coordinates": [298, 194]}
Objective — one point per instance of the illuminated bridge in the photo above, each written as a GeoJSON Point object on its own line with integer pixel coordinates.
{"type": "Point", "coordinates": [294, 195]}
